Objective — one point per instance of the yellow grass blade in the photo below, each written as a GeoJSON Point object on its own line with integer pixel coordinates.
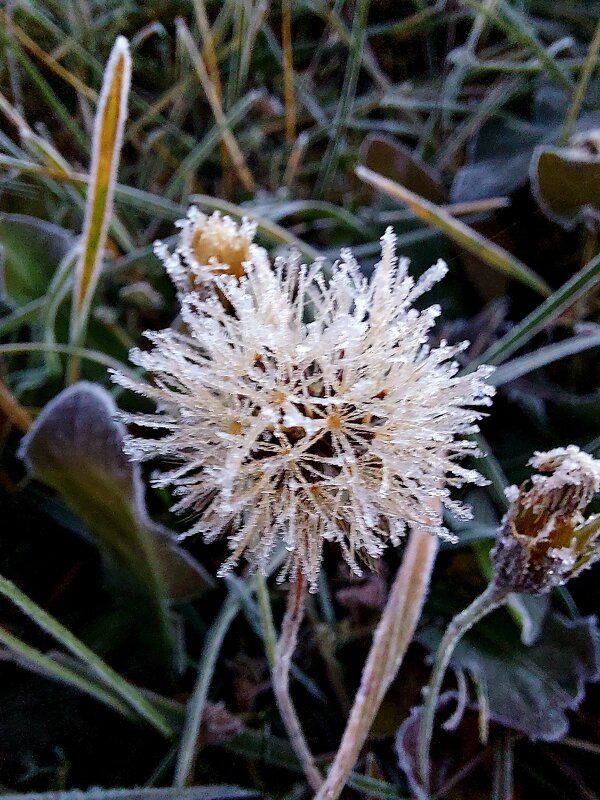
{"type": "Point", "coordinates": [106, 148]}
{"type": "Point", "coordinates": [497, 257]}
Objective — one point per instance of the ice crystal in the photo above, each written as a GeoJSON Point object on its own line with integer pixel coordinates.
{"type": "Point", "coordinates": [545, 539]}
{"type": "Point", "coordinates": [207, 246]}
{"type": "Point", "coordinates": [343, 428]}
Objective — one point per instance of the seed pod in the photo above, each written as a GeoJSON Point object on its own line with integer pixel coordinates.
{"type": "Point", "coordinates": [545, 539]}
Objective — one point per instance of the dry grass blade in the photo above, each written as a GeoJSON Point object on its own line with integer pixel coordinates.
{"type": "Point", "coordinates": [288, 71]}
{"type": "Point", "coordinates": [228, 138]}
{"type": "Point", "coordinates": [13, 410]}
{"type": "Point", "coordinates": [47, 60]}
{"type": "Point", "coordinates": [210, 53]}
{"type": "Point", "coordinates": [462, 234]}
{"type": "Point", "coordinates": [108, 136]}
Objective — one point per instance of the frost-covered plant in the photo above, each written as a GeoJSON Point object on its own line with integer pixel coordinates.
{"type": "Point", "coordinates": [342, 428]}
{"type": "Point", "coordinates": [207, 246]}
{"type": "Point", "coordinates": [544, 541]}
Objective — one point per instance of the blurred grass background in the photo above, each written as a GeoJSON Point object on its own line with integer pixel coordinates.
{"type": "Point", "coordinates": [484, 116]}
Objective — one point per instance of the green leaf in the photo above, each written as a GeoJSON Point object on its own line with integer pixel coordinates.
{"type": "Point", "coordinates": [497, 163]}
{"type": "Point", "coordinates": [528, 688]}
{"type": "Point", "coordinates": [31, 250]}
{"type": "Point", "coordinates": [76, 446]}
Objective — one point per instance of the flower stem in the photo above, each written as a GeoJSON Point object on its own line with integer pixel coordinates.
{"type": "Point", "coordinates": [488, 600]}
{"type": "Point", "coordinates": [281, 679]}
{"type": "Point", "coordinates": [390, 642]}
{"type": "Point", "coordinates": [266, 619]}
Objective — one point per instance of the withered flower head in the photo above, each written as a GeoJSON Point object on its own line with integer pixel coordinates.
{"type": "Point", "coordinates": [207, 246]}
{"type": "Point", "coordinates": [545, 539]}
{"type": "Point", "coordinates": [345, 428]}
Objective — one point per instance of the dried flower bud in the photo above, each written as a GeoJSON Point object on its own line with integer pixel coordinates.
{"type": "Point", "coordinates": [208, 246]}
{"type": "Point", "coordinates": [545, 539]}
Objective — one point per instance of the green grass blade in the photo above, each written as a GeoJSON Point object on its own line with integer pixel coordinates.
{"type": "Point", "coordinates": [215, 792]}
{"type": "Point", "coordinates": [39, 662]}
{"type": "Point", "coordinates": [121, 687]}
{"type": "Point", "coordinates": [330, 159]}
{"type": "Point", "coordinates": [543, 356]}
{"type": "Point", "coordinates": [516, 27]}
{"type": "Point", "coordinates": [194, 160]}
{"type": "Point", "coordinates": [20, 316]}
{"type": "Point", "coordinates": [573, 290]}
{"type": "Point", "coordinates": [197, 702]}
{"type": "Point", "coordinates": [589, 66]}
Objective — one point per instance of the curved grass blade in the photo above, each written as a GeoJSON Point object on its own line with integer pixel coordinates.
{"type": "Point", "coordinates": [125, 690]}
{"type": "Point", "coordinates": [276, 233]}
{"type": "Point", "coordinates": [157, 206]}
{"type": "Point", "coordinates": [20, 316]}
{"type": "Point", "coordinates": [31, 658]}
{"type": "Point", "coordinates": [78, 352]}
{"type": "Point", "coordinates": [106, 148]}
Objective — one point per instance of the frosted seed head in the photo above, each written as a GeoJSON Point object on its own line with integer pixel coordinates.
{"type": "Point", "coordinates": [341, 429]}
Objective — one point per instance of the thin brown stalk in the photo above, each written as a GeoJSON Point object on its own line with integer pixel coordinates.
{"type": "Point", "coordinates": [214, 101]}
{"type": "Point", "coordinates": [47, 60]}
{"type": "Point", "coordinates": [295, 159]}
{"type": "Point", "coordinates": [390, 642]}
{"type": "Point", "coordinates": [209, 53]}
{"type": "Point", "coordinates": [281, 679]}
{"type": "Point", "coordinates": [288, 71]}
{"type": "Point", "coordinates": [13, 410]}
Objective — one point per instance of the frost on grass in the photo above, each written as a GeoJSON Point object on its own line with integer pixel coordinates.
{"type": "Point", "coordinates": [545, 539]}
{"type": "Point", "coordinates": [344, 428]}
